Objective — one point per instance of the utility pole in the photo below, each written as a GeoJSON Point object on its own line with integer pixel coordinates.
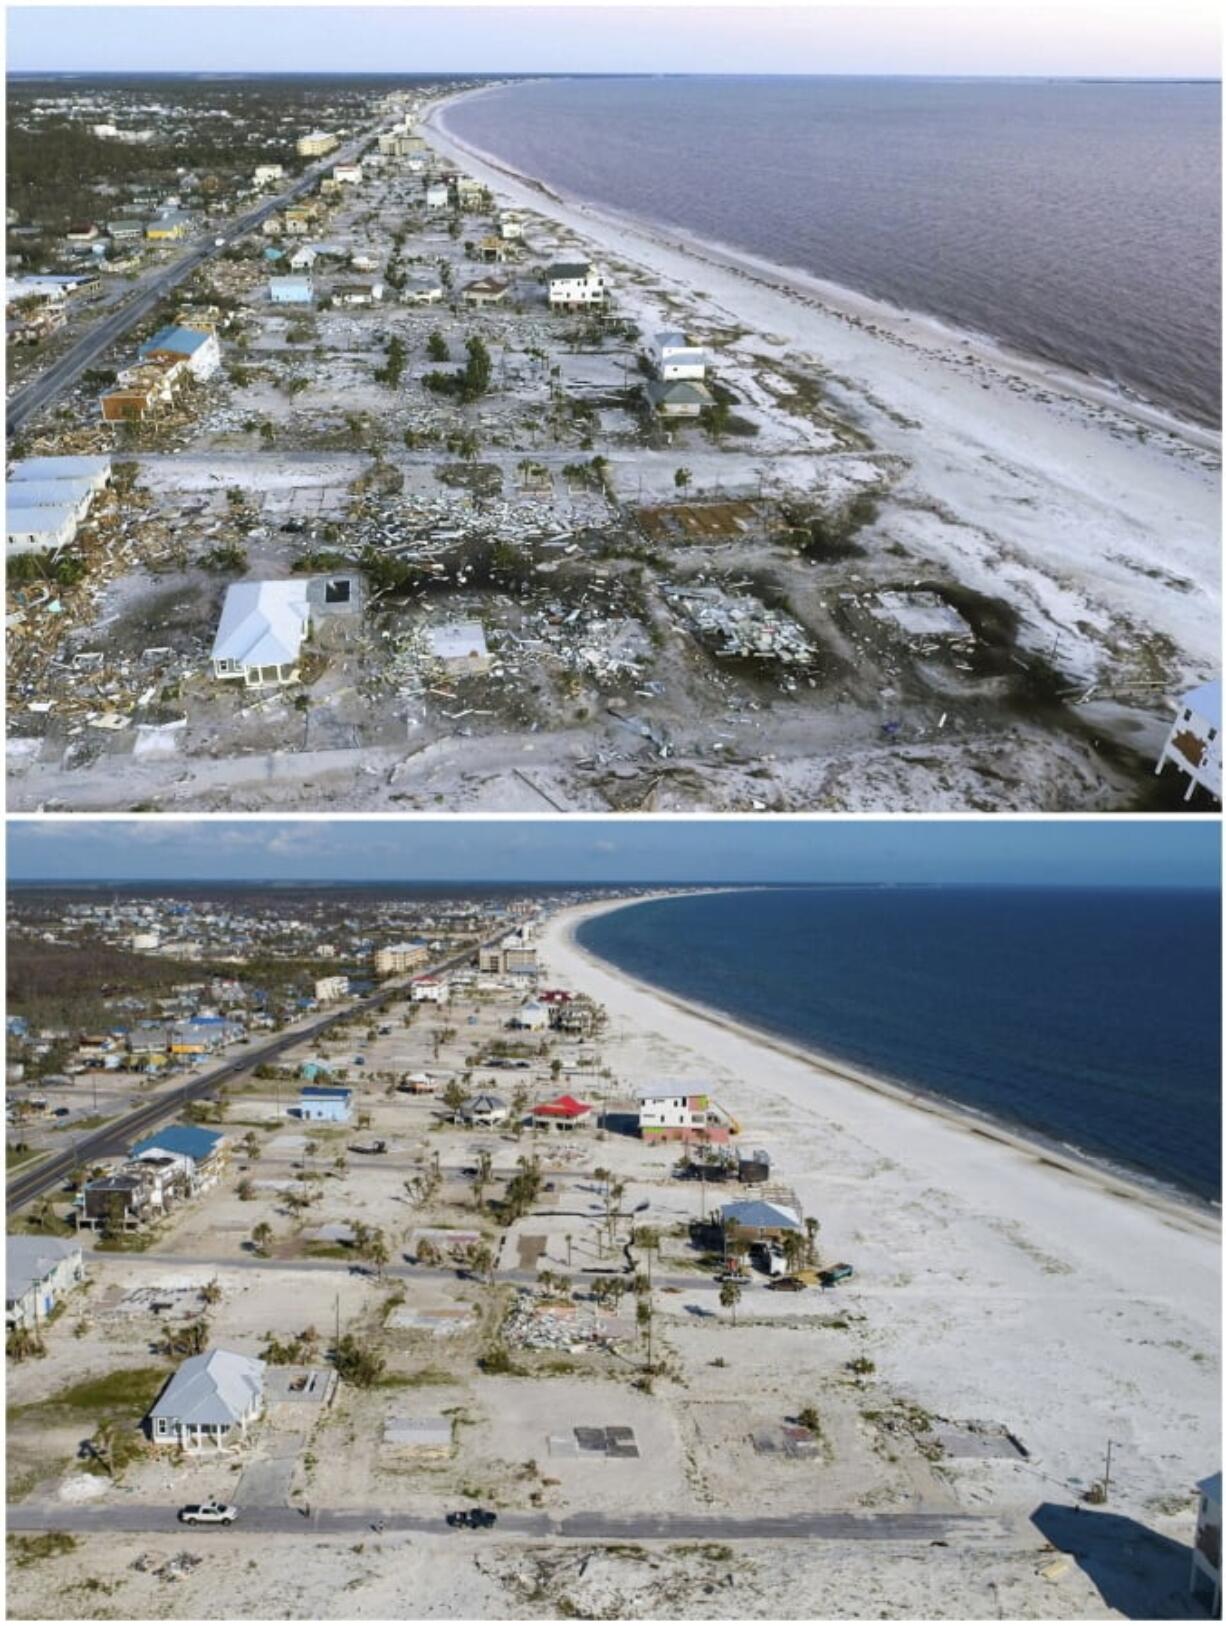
{"type": "Point", "coordinates": [337, 1344]}
{"type": "Point", "coordinates": [1107, 1472]}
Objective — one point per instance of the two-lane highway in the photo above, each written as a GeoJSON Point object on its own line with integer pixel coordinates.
{"type": "Point", "coordinates": [44, 389]}
{"type": "Point", "coordinates": [291, 1521]}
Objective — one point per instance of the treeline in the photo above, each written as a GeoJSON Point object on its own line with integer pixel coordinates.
{"type": "Point", "coordinates": [41, 971]}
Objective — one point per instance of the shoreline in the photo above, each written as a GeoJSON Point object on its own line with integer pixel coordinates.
{"type": "Point", "coordinates": [1172, 1206]}
{"type": "Point", "coordinates": [843, 302]}
{"type": "Point", "coordinates": [1099, 532]}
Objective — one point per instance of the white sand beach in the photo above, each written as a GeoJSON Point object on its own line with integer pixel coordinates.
{"type": "Point", "coordinates": [1096, 516]}
{"type": "Point", "coordinates": [1072, 1307]}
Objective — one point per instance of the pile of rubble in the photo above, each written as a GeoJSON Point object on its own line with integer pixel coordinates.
{"type": "Point", "coordinates": [170, 1569]}
{"type": "Point", "coordinates": [558, 1324]}
{"type": "Point", "coordinates": [589, 641]}
{"type": "Point", "coordinates": [742, 628]}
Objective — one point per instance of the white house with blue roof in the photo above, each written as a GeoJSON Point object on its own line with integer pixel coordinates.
{"type": "Point", "coordinates": [325, 1103]}
{"type": "Point", "coordinates": [291, 290]}
{"type": "Point", "coordinates": [204, 1150]}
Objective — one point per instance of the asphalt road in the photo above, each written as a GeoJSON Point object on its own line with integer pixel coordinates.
{"type": "Point", "coordinates": [291, 1521]}
{"type": "Point", "coordinates": [114, 1138]}
{"type": "Point", "coordinates": [63, 372]}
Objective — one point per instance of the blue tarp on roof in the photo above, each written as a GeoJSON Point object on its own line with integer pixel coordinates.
{"type": "Point", "coordinates": [324, 1092]}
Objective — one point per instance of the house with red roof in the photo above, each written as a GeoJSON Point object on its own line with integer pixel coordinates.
{"type": "Point", "coordinates": [564, 1110]}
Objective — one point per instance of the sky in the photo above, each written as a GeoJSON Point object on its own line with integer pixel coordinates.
{"type": "Point", "coordinates": [1112, 38]}
{"type": "Point", "coordinates": [1085, 852]}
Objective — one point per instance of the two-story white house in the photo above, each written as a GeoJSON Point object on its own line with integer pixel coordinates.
{"type": "Point", "coordinates": [679, 1109]}
{"type": "Point", "coordinates": [575, 285]}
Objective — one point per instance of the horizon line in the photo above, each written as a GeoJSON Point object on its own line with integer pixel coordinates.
{"type": "Point", "coordinates": [623, 73]}
{"type": "Point", "coordinates": [572, 883]}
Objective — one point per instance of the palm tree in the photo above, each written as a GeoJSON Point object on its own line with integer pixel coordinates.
{"type": "Point", "coordinates": [103, 1446]}
{"type": "Point", "coordinates": [377, 1252]}
{"type": "Point", "coordinates": [485, 1168]}
{"type": "Point", "coordinates": [812, 1227]}
{"type": "Point", "coordinates": [647, 1238]}
{"type": "Point", "coordinates": [210, 1293]}
{"type": "Point", "coordinates": [794, 1250]}
{"type": "Point", "coordinates": [261, 1236]}
{"type": "Point", "coordinates": [730, 1297]}
{"type": "Point", "coordinates": [23, 1343]}
{"type": "Point", "coordinates": [643, 1315]}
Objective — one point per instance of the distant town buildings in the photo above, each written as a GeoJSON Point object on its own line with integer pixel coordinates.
{"type": "Point", "coordinates": [395, 958]}
{"type": "Point", "coordinates": [316, 144]}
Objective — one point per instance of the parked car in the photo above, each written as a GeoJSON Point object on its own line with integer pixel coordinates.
{"type": "Point", "coordinates": [472, 1518]}
{"type": "Point", "coordinates": [836, 1274]}
{"type": "Point", "coordinates": [787, 1284]}
{"type": "Point", "coordinates": [210, 1512]}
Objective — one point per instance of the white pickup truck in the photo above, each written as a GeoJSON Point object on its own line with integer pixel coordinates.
{"type": "Point", "coordinates": [209, 1512]}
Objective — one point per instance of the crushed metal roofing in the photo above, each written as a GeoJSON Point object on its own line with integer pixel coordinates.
{"type": "Point", "coordinates": [458, 641]}
{"type": "Point", "coordinates": [262, 623]}
{"type": "Point", "coordinates": [220, 1387]}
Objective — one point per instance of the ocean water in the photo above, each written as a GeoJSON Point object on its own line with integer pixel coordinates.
{"type": "Point", "coordinates": [1075, 221]}
{"type": "Point", "coordinates": [1089, 1018]}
